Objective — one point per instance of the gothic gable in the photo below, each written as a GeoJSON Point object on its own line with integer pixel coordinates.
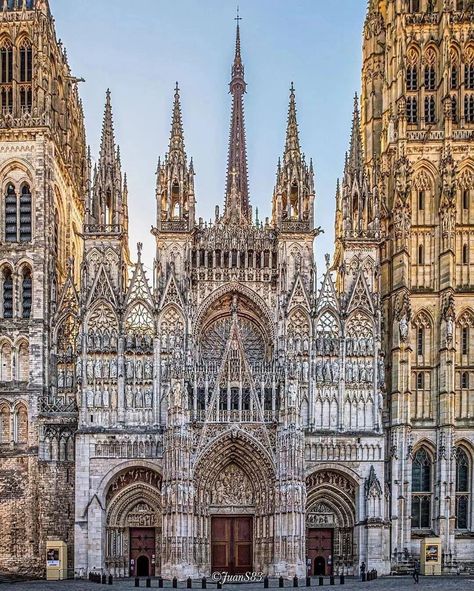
{"type": "Point", "coordinates": [360, 297]}
{"type": "Point", "coordinates": [172, 294]}
{"type": "Point", "coordinates": [327, 297]}
{"type": "Point", "coordinates": [298, 296]}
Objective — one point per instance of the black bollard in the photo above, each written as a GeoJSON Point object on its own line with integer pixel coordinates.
{"type": "Point", "coordinates": [295, 581]}
{"type": "Point", "coordinates": [219, 584]}
{"type": "Point", "coordinates": [137, 582]}
{"type": "Point", "coordinates": [189, 583]}
{"type": "Point", "coordinates": [342, 579]}
{"type": "Point", "coordinates": [281, 582]}
{"type": "Point", "coordinates": [265, 582]}
{"type": "Point", "coordinates": [331, 580]}
{"type": "Point", "coordinates": [175, 583]}
{"type": "Point", "coordinates": [148, 582]}
{"type": "Point", "coordinates": [308, 581]}
{"type": "Point", "coordinates": [160, 582]}
{"type": "Point", "coordinates": [203, 583]}
{"type": "Point", "coordinates": [104, 579]}
{"type": "Point", "coordinates": [111, 580]}
{"type": "Point", "coordinates": [362, 576]}
{"type": "Point", "coordinates": [321, 581]}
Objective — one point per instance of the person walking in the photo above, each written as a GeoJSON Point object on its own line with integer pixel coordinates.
{"type": "Point", "coordinates": [416, 572]}
{"type": "Point", "coordinates": [362, 571]}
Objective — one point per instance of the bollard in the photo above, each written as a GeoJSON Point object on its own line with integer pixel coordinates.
{"type": "Point", "coordinates": [331, 580]}
{"type": "Point", "coordinates": [308, 581]}
{"type": "Point", "coordinates": [148, 582]}
{"type": "Point", "coordinates": [342, 579]}
{"type": "Point", "coordinates": [321, 581]}
{"type": "Point", "coordinates": [265, 582]}
{"type": "Point", "coordinates": [111, 580]}
{"type": "Point", "coordinates": [104, 579]}
{"type": "Point", "coordinates": [189, 583]}
{"type": "Point", "coordinates": [295, 581]}
{"type": "Point", "coordinates": [160, 582]}
{"type": "Point", "coordinates": [175, 583]}
{"type": "Point", "coordinates": [219, 584]}
{"type": "Point", "coordinates": [281, 582]}
{"type": "Point", "coordinates": [362, 576]}
{"type": "Point", "coordinates": [137, 582]}
{"type": "Point", "coordinates": [203, 583]}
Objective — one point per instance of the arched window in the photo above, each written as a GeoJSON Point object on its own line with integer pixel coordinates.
{"type": "Point", "coordinates": [421, 255]}
{"type": "Point", "coordinates": [413, 6]}
{"type": "Point", "coordinates": [5, 362]}
{"type": "Point", "coordinates": [25, 214]}
{"type": "Point", "coordinates": [21, 425]}
{"type": "Point", "coordinates": [465, 340]}
{"type": "Point", "coordinates": [465, 199]}
{"type": "Point", "coordinates": [420, 340]}
{"type": "Point", "coordinates": [430, 110]}
{"type": "Point", "coordinates": [465, 254]}
{"type": "Point", "coordinates": [430, 78]}
{"type": "Point", "coordinates": [469, 108]}
{"type": "Point", "coordinates": [420, 381]}
{"type": "Point", "coordinates": [469, 75]}
{"type": "Point", "coordinates": [6, 78]}
{"type": "Point", "coordinates": [412, 77]}
{"type": "Point", "coordinates": [412, 109]}
{"type": "Point", "coordinates": [462, 489]}
{"type": "Point", "coordinates": [421, 480]}
{"type": "Point", "coordinates": [23, 362]}
{"type": "Point", "coordinates": [26, 292]}
{"type": "Point", "coordinates": [465, 380]}
{"type": "Point", "coordinates": [26, 62]}
{"type": "Point", "coordinates": [421, 200]}
{"type": "Point", "coordinates": [11, 214]}
{"type": "Point", "coordinates": [4, 424]}
{"type": "Point", "coordinates": [7, 293]}
{"type": "Point", "coordinates": [454, 76]}
{"type": "Point", "coordinates": [454, 109]}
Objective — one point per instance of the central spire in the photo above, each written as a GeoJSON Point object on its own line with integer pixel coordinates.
{"type": "Point", "coordinates": [237, 191]}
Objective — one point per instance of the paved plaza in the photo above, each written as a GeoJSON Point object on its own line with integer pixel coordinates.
{"type": "Point", "coordinates": [383, 584]}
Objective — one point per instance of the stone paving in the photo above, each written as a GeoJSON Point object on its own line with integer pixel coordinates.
{"type": "Point", "coordinates": [460, 583]}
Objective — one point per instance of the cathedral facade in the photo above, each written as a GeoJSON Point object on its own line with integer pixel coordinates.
{"type": "Point", "coordinates": [236, 412]}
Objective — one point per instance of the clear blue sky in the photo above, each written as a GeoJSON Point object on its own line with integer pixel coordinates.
{"type": "Point", "coordinates": [140, 48]}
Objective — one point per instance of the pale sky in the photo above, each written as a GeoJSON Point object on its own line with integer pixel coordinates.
{"type": "Point", "coordinates": [140, 48]}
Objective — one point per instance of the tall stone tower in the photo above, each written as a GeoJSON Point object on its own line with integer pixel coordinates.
{"type": "Point", "coordinates": [417, 128]}
{"type": "Point", "coordinates": [43, 172]}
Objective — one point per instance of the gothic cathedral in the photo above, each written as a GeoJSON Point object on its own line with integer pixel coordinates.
{"type": "Point", "coordinates": [236, 412]}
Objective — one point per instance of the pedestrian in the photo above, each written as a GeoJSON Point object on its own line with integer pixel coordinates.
{"type": "Point", "coordinates": [362, 571]}
{"type": "Point", "coordinates": [416, 571]}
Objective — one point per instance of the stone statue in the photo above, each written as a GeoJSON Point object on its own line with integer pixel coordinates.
{"type": "Point", "coordinates": [148, 397]}
{"type": "Point", "coordinates": [90, 369]}
{"type": "Point", "coordinates": [90, 397]}
{"type": "Point", "coordinates": [138, 398]}
{"type": "Point", "coordinates": [139, 369]}
{"type": "Point", "coordinates": [98, 398]}
{"type": "Point", "coordinates": [349, 374]}
{"type": "Point", "coordinates": [129, 396]}
{"type": "Point", "coordinates": [98, 369]}
{"type": "Point", "coordinates": [79, 368]}
{"type": "Point", "coordinates": [335, 371]}
{"type": "Point", "coordinates": [106, 397]}
{"type": "Point", "coordinates": [292, 395]}
{"type": "Point", "coordinates": [130, 372]}
{"type": "Point", "coordinates": [113, 369]}
{"type": "Point", "coordinates": [148, 369]}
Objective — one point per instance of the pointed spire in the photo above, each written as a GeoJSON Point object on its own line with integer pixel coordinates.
{"type": "Point", "coordinates": [355, 159]}
{"type": "Point", "coordinates": [177, 134]}
{"type": "Point", "coordinates": [237, 158]}
{"type": "Point", "coordinates": [107, 144]}
{"type": "Point", "coordinates": [292, 146]}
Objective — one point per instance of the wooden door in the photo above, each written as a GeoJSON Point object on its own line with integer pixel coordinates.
{"type": "Point", "coordinates": [142, 551]}
{"type": "Point", "coordinates": [319, 549]}
{"type": "Point", "coordinates": [231, 544]}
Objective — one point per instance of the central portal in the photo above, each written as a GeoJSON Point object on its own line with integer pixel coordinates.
{"type": "Point", "coordinates": [319, 550]}
{"type": "Point", "coordinates": [231, 544]}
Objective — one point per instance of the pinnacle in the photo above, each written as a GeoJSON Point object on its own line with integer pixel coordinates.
{"type": "Point", "coordinates": [355, 151]}
{"type": "Point", "coordinates": [292, 136]}
{"type": "Point", "coordinates": [107, 148]}
{"type": "Point", "coordinates": [177, 135]}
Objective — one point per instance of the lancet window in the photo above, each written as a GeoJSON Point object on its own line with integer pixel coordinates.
{"type": "Point", "coordinates": [421, 489]}
{"type": "Point", "coordinates": [463, 489]}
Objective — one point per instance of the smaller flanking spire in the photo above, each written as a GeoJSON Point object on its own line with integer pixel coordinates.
{"type": "Point", "coordinates": [177, 134]}
{"type": "Point", "coordinates": [292, 146]}
{"type": "Point", "coordinates": [355, 160]}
